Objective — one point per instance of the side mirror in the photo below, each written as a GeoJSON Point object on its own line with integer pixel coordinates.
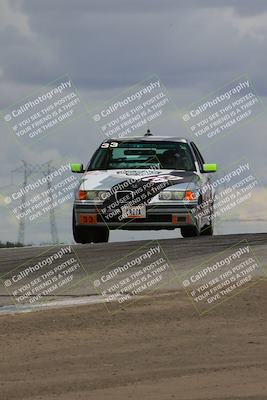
{"type": "Point", "coordinates": [78, 168]}
{"type": "Point", "coordinates": [209, 167]}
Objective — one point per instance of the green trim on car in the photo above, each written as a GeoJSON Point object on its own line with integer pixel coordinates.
{"type": "Point", "coordinates": [209, 167]}
{"type": "Point", "coordinates": [76, 168]}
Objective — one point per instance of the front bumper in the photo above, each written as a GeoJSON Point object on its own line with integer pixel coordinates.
{"type": "Point", "coordinates": [157, 217]}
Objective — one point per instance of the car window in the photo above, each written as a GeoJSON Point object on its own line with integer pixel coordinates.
{"type": "Point", "coordinates": [143, 154]}
{"type": "Point", "coordinates": [198, 155]}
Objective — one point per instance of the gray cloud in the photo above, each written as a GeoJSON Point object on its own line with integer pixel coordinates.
{"type": "Point", "coordinates": [114, 44]}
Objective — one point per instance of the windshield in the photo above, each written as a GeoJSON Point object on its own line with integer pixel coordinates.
{"type": "Point", "coordinates": [135, 155]}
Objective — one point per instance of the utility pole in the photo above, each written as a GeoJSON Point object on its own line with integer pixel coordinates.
{"type": "Point", "coordinates": [28, 170]}
{"type": "Point", "coordinates": [26, 173]}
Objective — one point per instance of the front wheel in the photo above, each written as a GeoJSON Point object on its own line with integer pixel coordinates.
{"type": "Point", "coordinates": [189, 231]}
{"type": "Point", "coordinates": [207, 230]}
{"type": "Point", "coordinates": [88, 234]}
{"type": "Point", "coordinates": [101, 235]}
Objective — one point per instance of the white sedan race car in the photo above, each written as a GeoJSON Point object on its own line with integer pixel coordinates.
{"type": "Point", "coordinates": [143, 183]}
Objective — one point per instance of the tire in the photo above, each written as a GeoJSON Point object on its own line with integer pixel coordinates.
{"type": "Point", "coordinates": [87, 234]}
{"type": "Point", "coordinates": [80, 234]}
{"type": "Point", "coordinates": [101, 235]}
{"type": "Point", "coordinates": [207, 230]}
{"type": "Point", "coordinates": [189, 231]}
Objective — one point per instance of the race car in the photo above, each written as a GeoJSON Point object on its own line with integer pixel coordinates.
{"type": "Point", "coordinates": [143, 183]}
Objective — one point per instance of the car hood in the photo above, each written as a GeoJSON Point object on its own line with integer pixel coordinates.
{"type": "Point", "coordinates": [135, 187]}
{"type": "Point", "coordinates": [106, 180]}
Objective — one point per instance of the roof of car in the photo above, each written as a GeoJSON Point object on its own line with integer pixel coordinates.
{"type": "Point", "coordinates": [148, 139]}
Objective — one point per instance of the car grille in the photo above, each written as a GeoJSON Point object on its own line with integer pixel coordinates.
{"type": "Point", "coordinates": [124, 196]}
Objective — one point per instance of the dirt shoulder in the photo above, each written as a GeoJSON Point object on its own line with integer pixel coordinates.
{"type": "Point", "coordinates": [158, 348]}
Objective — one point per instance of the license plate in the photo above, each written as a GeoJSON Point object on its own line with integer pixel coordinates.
{"type": "Point", "coordinates": [134, 212]}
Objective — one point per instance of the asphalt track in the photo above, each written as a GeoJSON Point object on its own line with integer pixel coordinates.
{"type": "Point", "coordinates": [183, 255]}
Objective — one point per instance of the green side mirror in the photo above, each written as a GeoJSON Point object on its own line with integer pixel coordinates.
{"type": "Point", "coordinates": [77, 168]}
{"type": "Point", "coordinates": [209, 167]}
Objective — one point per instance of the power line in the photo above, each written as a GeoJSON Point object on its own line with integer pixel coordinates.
{"type": "Point", "coordinates": [27, 170]}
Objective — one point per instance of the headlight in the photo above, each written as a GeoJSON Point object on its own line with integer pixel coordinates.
{"type": "Point", "coordinates": [175, 195]}
{"type": "Point", "coordinates": [94, 195]}
{"type": "Point", "coordinates": [171, 195]}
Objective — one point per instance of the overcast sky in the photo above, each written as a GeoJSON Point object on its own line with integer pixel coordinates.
{"type": "Point", "coordinates": [106, 46]}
